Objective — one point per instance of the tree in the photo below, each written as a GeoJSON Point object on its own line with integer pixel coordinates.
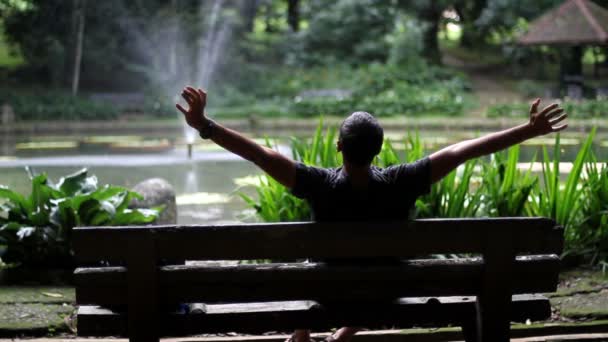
{"type": "Point", "coordinates": [351, 31]}
{"type": "Point", "coordinates": [293, 14]}
{"type": "Point", "coordinates": [469, 12]}
{"type": "Point", "coordinates": [249, 10]}
{"type": "Point", "coordinates": [430, 13]}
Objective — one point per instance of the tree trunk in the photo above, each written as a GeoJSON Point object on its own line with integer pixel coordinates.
{"type": "Point", "coordinates": [268, 18]}
{"type": "Point", "coordinates": [80, 16]}
{"type": "Point", "coordinates": [249, 10]}
{"type": "Point", "coordinates": [430, 40]}
{"type": "Point", "coordinates": [471, 34]}
{"type": "Point", "coordinates": [293, 14]}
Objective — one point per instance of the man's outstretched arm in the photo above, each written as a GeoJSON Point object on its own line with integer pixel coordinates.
{"type": "Point", "coordinates": [277, 166]}
{"type": "Point", "coordinates": [543, 122]}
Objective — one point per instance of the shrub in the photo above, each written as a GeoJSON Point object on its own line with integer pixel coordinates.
{"type": "Point", "coordinates": [35, 231]}
{"type": "Point", "coordinates": [386, 90]}
{"type": "Point", "coordinates": [55, 105]}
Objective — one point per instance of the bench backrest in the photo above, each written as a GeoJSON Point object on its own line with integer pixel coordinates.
{"type": "Point", "coordinates": [524, 251]}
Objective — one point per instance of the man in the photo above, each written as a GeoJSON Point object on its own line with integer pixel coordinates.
{"type": "Point", "coordinates": [358, 190]}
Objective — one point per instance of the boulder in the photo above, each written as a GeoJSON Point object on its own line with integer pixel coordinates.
{"type": "Point", "coordinates": [157, 191]}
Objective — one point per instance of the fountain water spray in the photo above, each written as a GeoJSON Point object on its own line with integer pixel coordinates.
{"type": "Point", "coordinates": [172, 66]}
{"type": "Point", "coordinates": [209, 50]}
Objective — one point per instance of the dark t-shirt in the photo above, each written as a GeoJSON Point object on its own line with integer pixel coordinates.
{"type": "Point", "coordinates": [390, 194]}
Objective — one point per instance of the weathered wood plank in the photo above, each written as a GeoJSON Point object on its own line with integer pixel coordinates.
{"type": "Point", "coordinates": [285, 316]}
{"type": "Point", "coordinates": [318, 240]}
{"type": "Point", "coordinates": [315, 280]}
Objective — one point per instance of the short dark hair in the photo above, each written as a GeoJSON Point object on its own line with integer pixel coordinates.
{"type": "Point", "coordinates": [361, 136]}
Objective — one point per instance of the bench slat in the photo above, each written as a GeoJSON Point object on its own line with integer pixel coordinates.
{"type": "Point", "coordinates": [271, 282]}
{"type": "Point", "coordinates": [319, 240]}
{"type": "Point", "coordinates": [258, 318]}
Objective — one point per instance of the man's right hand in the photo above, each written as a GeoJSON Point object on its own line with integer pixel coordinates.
{"type": "Point", "coordinates": [196, 99]}
{"type": "Point", "coordinates": [546, 121]}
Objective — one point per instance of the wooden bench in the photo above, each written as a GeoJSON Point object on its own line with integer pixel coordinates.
{"type": "Point", "coordinates": [481, 294]}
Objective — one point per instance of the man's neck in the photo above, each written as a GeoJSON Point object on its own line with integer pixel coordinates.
{"type": "Point", "coordinates": [358, 175]}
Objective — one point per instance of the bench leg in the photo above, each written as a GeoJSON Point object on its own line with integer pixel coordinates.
{"type": "Point", "coordinates": [493, 320]}
{"type": "Point", "coordinates": [142, 288]}
{"type": "Point", "coordinates": [469, 330]}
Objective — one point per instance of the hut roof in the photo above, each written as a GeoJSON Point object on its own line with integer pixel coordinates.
{"type": "Point", "coordinates": [575, 22]}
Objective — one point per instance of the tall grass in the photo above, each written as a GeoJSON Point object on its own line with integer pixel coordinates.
{"type": "Point", "coordinates": [452, 196]}
{"type": "Point", "coordinates": [591, 237]}
{"type": "Point", "coordinates": [505, 189]}
{"type": "Point", "coordinates": [557, 200]}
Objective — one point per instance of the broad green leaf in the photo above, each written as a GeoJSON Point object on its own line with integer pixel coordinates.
{"type": "Point", "coordinates": [77, 183]}
{"type": "Point", "coordinates": [88, 209]}
{"type": "Point", "coordinates": [135, 216]}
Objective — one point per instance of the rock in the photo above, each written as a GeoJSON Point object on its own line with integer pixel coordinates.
{"type": "Point", "coordinates": [157, 191]}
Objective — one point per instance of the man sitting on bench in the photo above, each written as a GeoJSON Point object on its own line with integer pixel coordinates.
{"type": "Point", "coordinates": [358, 190]}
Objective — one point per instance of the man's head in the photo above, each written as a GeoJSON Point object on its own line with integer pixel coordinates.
{"type": "Point", "coordinates": [361, 138]}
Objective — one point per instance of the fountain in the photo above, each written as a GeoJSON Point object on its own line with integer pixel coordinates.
{"type": "Point", "coordinates": [209, 51]}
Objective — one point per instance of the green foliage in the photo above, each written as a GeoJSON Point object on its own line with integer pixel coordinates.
{"type": "Point", "coordinates": [592, 233]}
{"type": "Point", "coordinates": [35, 231]}
{"type": "Point", "coordinates": [505, 189]}
{"type": "Point", "coordinates": [385, 90]}
{"type": "Point", "coordinates": [406, 40]}
{"type": "Point", "coordinates": [561, 201]}
{"type": "Point", "coordinates": [451, 196]}
{"type": "Point", "coordinates": [349, 31]}
{"type": "Point", "coordinates": [55, 105]}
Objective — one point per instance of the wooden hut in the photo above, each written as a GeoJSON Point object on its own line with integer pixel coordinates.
{"type": "Point", "coordinates": [574, 24]}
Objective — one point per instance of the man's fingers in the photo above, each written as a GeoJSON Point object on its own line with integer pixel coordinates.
{"type": "Point", "coordinates": [202, 94]}
{"type": "Point", "coordinates": [190, 91]}
{"type": "Point", "coordinates": [549, 108]}
{"type": "Point", "coordinates": [181, 109]}
{"type": "Point", "coordinates": [554, 113]}
{"type": "Point", "coordinates": [559, 128]}
{"type": "Point", "coordinates": [193, 92]}
{"type": "Point", "coordinates": [189, 98]}
{"type": "Point", "coordinates": [534, 106]}
{"type": "Point", "coordinates": [558, 119]}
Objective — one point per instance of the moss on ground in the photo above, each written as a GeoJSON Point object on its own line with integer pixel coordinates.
{"type": "Point", "coordinates": [581, 281]}
{"type": "Point", "coordinates": [589, 305]}
{"type": "Point", "coordinates": [35, 294]}
{"type": "Point", "coordinates": [33, 319]}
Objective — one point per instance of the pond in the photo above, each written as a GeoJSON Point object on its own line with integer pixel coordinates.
{"type": "Point", "coordinates": [206, 185]}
